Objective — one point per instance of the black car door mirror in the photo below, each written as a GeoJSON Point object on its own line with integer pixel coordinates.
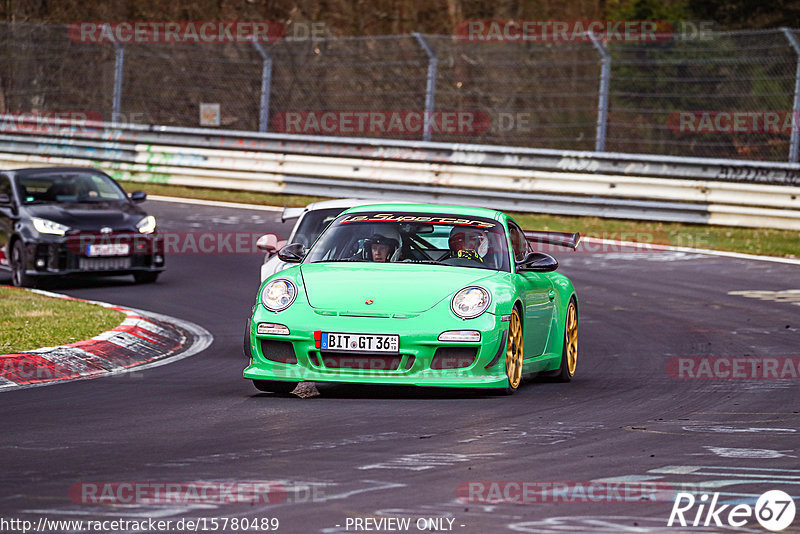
{"type": "Point", "coordinates": [292, 253]}
{"type": "Point", "coordinates": [537, 262]}
{"type": "Point", "coordinates": [138, 196]}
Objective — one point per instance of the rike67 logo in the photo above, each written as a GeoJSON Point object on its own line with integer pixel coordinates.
{"type": "Point", "coordinates": [774, 510]}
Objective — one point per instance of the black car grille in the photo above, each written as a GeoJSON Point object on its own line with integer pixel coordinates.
{"type": "Point", "coordinates": [104, 264]}
{"type": "Point", "coordinates": [278, 351]}
{"type": "Point", "coordinates": [71, 255]}
{"type": "Point", "coordinates": [366, 362]}
{"type": "Point", "coordinates": [453, 357]}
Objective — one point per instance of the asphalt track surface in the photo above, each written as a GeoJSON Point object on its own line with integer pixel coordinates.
{"type": "Point", "coordinates": [373, 452]}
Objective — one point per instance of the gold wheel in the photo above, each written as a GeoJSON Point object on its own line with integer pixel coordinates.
{"type": "Point", "coordinates": [514, 351]}
{"type": "Point", "coordinates": [571, 338]}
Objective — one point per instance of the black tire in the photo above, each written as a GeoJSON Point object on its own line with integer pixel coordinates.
{"type": "Point", "coordinates": [19, 263]}
{"type": "Point", "coordinates": [145, 277]}
{"type": "Point", "coordinates": [564, 373]}
{"type": "Point", "coordinates": [274, 386]}
{"type": "Point", "coordinates": [246, 343]}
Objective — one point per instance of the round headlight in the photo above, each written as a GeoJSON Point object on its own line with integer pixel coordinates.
{"type": "Point", "coordinates": [470, 302]}
{"type": "Point", "coordinates": [278, 294]}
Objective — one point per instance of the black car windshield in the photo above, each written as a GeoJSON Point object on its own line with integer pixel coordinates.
{"type": "Point", "coordinates": [67, 187]}
{"type": "Point", "coordinates": [435, 238]}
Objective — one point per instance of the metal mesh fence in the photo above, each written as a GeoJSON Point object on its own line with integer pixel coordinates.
{"type": "Point", "coordinates": [714, 82]}
{"type": "Point", "coordinates": [727, 95]}
{"type": "Point", "coordinates": [353, 75]}
{"type": "Point", "coordinates": [166, 83]}
{"type": "Point", "coordinates": [42, 70]}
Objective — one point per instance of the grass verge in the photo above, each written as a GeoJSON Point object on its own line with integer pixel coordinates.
{"type": "Point", "coordinates": [766, 241]}
{"type": "Point", "coordinates": [30, 321]}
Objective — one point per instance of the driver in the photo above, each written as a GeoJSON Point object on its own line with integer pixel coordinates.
{"type": "Point", "coordinates": [469, 243]}
{"type": "Point", "coordinates": [380, 248]}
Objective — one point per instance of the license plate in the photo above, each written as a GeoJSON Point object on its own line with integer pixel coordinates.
{"type": "Point", "coordinates": [343, 342]}
{"type": "Point", "coordinates": [108, 249]}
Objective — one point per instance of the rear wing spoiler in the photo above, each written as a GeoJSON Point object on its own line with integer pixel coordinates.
{"type": "Point", "coordinates": [561, 239]}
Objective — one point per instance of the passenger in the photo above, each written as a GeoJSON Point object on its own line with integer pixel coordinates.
{"type": "Point", "coordinates": [468, 243]}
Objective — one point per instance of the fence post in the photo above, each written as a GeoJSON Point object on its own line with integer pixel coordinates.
{"type": "Point", "coordinates": [795, 138]}
{"type": "Point", "coordinates": [430, 87]}
{"type": "Point", "coordinates": [602, 98]}
{"type": "Point", "coordinates": [119, 62]}
{"type": "Point", "coordinates": [266, 83]}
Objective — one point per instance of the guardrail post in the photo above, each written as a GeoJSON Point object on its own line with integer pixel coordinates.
{"type": "Point", "coordinates": [266, 83]}
{"type": "Point", "coordinates": [430, 87]}
{"type": "Point", "coordinates": [602, 97]}
{"type": "Point", "coordinates": [119, 62]}
{"type": "Point", "coordinates": [795, 138]}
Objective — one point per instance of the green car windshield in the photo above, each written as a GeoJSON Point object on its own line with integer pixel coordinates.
{"type": "Point", "coordinates": [435, 238]}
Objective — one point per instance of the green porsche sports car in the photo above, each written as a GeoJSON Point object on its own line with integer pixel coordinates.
{"type": "Point", "coordinates": [413, 294]}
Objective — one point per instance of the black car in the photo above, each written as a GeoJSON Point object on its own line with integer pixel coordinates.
{"type": "Point", "coordinates": [60, 221]}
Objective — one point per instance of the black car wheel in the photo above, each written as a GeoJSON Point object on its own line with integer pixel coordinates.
{"type": "Point", "coordinates": [246, 343]}
{"type": "Point", "coordinates": [18, 266]}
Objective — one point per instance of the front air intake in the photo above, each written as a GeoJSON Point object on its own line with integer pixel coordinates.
{"type": "Point", "coordinates": [454, 357]}
{"type": "Point", "coordinates": [278, 351]}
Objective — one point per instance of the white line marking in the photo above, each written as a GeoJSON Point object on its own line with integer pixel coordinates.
{"type": "Point", "coordinates": [729, 452]}
{"type": "Point", "coordinates": [216, 203]}
{"type": "Point", "coordinates": [201, 337]}
{"type": "Point", "coordinates": [709, 252]}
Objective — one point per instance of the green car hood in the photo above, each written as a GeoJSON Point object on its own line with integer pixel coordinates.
{"type": "Point", "coordinates": [393, 288]}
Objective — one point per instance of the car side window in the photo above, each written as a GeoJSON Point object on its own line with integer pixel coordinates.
{"type": "Point", "coordinates": [5, 186]}
{"type": "Point", "coordinates": [518, 242]}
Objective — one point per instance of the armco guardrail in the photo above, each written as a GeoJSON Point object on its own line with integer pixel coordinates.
{"type": "Point", "coordinates": [533, 180]}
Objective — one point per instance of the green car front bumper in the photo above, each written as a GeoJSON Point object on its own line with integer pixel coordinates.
{"type": "Point", "coordinates": [423, 360]}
